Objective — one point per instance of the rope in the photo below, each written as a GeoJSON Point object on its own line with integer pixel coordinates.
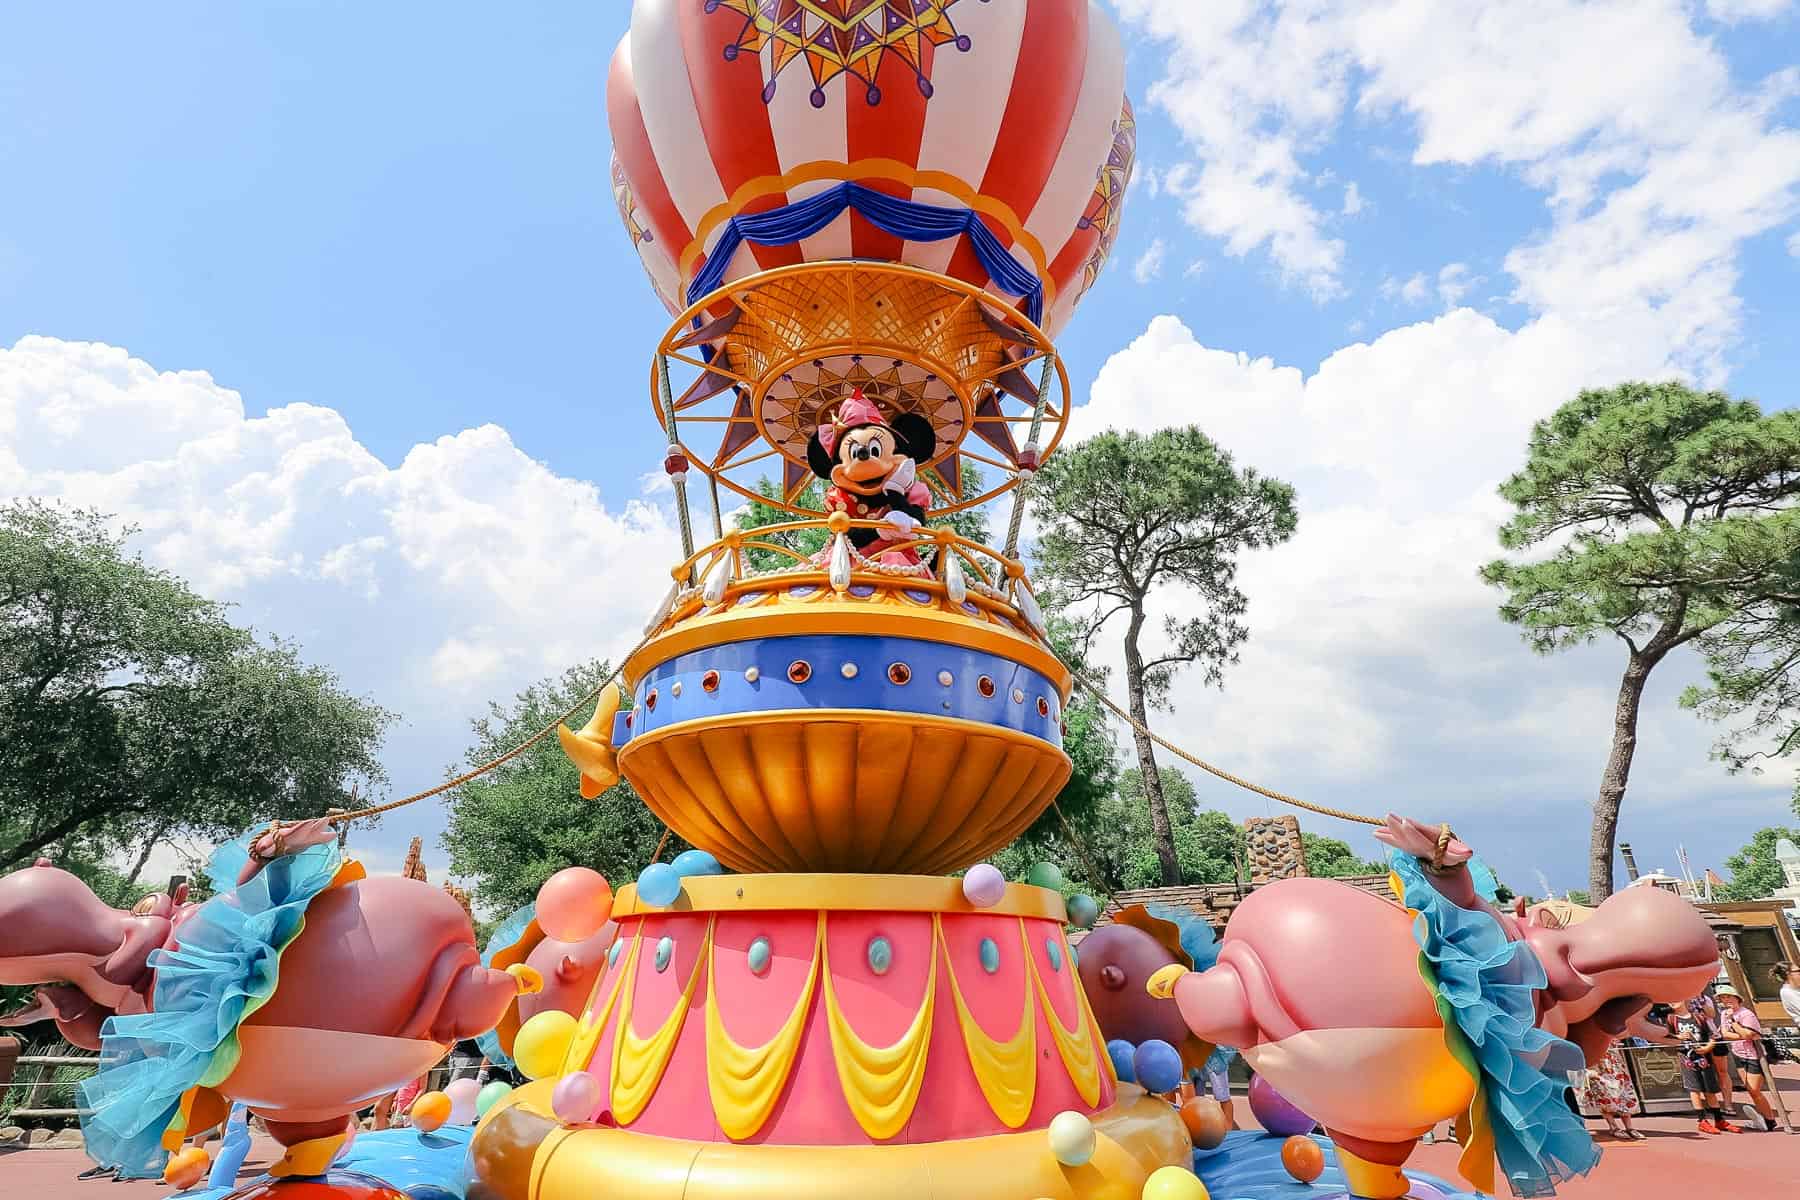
{"type": "Point", "coordinates": [1093, 689]}
{"type": "Point", "coordinates": [492, 763]}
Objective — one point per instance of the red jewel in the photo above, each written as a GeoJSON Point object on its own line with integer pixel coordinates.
{"type": "Point", "coordinates": [1028, 459]}
{"type": "Point", "coordinates": [675, 463]}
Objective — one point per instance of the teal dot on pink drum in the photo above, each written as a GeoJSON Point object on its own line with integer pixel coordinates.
{"type": "Point", "coordinates": [990, 956]}
{"type": "Point", "coordinates": [759, 956]}
{"type": "Point", "coordinates": [881, 955]}
{"type": "Point", "coordinates": [1053, 951]}
{"type": "Point", "coordinates": [665, 953]}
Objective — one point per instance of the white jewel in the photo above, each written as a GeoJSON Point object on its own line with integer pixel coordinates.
{"type": "Point", "coordinates": [848, 670]}
{"type": "Point", "coordinates": [839, 571]}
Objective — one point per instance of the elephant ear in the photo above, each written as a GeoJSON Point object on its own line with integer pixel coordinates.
{"type": "Point", "coordinates": [917, 437]}
{"type": "Point", "coordinates": [1166, 932]}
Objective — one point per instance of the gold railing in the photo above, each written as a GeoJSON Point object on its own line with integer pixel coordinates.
{"type": "Point", "coordinates": [955, 567]}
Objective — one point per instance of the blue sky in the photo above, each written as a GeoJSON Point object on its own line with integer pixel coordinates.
{"type": "Point", "coordinates": [402, 215]}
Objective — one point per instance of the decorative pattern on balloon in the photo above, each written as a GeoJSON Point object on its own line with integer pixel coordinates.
{"type": "Point", "coordinates": [1108, 202]}
{"type": "Point", "coordinates": [839, 37]}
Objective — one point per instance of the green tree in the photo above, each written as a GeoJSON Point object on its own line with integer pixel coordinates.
{"type": "Point", "coordinates": [131, 710]}
{"type": "Point", "coordinates": [1125, 514]}
{"type": "Point", "coordinates": [1328, 857]}
{"type": "Point", "coordinates": [1580, 896]}
{"type": "Point", "coordinates": [1666, 510]}
{"type": "Point", "coordinates": [1755, 873]}
{"type": "Point", "coordinates": [519, 824]}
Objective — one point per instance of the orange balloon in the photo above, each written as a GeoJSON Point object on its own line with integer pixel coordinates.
{"type": "Point", "coordinates": [1303, 1158]}
{"type": "Point", "coordinates": [186, 1168]}
{"type": "Point", "coordinates": [1206, 1122]}
{"type": "Point", "coordinates": [430, 1111]}
{"type": "Point", "coordinates": [574, 904]}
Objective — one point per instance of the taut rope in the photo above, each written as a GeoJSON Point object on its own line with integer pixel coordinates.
{"type": "Point", "coordinates": [1097, 692]}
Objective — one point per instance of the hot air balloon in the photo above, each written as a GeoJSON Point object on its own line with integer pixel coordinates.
{"type": "Point", "coordinates": [984, 143]}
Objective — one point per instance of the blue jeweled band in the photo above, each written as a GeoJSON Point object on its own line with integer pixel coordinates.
{"type": "Point", "coordinates": [1015, 697]}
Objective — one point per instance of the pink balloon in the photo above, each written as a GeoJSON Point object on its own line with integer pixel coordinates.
{"type": "Point", "coordinates": [462, 1093]}
{"type": "Point", "coordinates": [574, 904]}
{"type": "Point", "coordinates": [984, 886]}
{"type": "Point", "coordinates": [575, 1097]}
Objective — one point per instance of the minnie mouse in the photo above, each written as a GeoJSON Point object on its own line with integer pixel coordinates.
{"type": "Point", "coordinates": [872, 466]}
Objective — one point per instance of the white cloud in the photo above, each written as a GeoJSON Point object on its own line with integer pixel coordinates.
{"type": "Point", "coordinates": [1413, 290]}
{"type": "Point", "coordinates": [1454, 282]}
{"type": "Point", "coordinates": [1793, 245]}
{"type": "Point", "coordinates": [1149, 265]}
{"type": "Point", "coordinates": [1353, 199]}
{"type": "Point", "coordinates": [457, 576]}
{"type": "Point", "coordinates": [1377, 672]}
{"type": "Point", "coordinates": [1629, 157]}
{"type": "Point", "coordinates": [1734, 11]}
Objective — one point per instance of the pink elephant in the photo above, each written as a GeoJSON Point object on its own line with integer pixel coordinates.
{"type": "Point", "coordinates": [380, 980]}
{"type": "Point", "coordinates": [1319, 986]}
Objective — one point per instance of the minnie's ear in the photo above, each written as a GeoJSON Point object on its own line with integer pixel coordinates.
{"type": "Point", "coordinates": [816, 458]}
{"type": "Point", "coordinates": [916, 435]}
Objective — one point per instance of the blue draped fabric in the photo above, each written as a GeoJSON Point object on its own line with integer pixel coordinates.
{"type": "Point", "coordinates": [507, 933]}
{"type": "Point", "coordinates": [226, 966]}
{"type": "Point", "coordinates": [1489, 985]}
{"type": "Point", "coordinates": [907, 219]}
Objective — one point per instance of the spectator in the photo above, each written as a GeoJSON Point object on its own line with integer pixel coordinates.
{"type": "Point", "coordinates": [1740, 1024]}
{"type": "Point", "coordinates": [1698, 1074]}
{"type": "Point", "coordinates": [1790, 990]}
{"type": "Point", "coordinates": [1608, 1088]}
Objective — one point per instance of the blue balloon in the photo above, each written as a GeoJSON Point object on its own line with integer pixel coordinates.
{"type": "Point", "coordinates": [1157, 1066]}
{"type": "Point", "coordinates": [696, 862]}
{"type": "Point", "coordinates": [659, 884]}
{"type": "Point", "coordinates": [1122, 1052]}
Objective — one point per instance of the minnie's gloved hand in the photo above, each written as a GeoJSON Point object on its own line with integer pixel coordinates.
{"type": "Point", "coordinates": [900, 522]}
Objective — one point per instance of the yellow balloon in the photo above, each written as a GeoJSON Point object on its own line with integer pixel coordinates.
{"type": "Point", "coordinates": [1174, 1183]}
{"type": "Point", "coordinates": [542, 1043]}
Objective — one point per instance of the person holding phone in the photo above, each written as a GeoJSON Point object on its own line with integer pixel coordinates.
{"type": "Point", "coordinates": [1744, 1029]}
{"type": "Point", "coordinates": [1698, 1073]}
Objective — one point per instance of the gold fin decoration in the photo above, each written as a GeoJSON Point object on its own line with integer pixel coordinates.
{"type": "Point", "coordinates": [638, 1063]}
{"type": "Point", "coordinates": [591, 749]}
{"type": "Point", "coordinates": [1006, 1071]}
{"type": "Point", "coordinates": [881, 1083]}
{"type": "Point", "coordinates": [1075, 1046]}
{"type": "Point", "coordinates": [592, 1025]}
{"type": "Point", "coordinates": [746, 1081]}
{"type": "Point", "coordinates": [310, 1157]}
{"type": "Point", "coordinates": [350, 871]}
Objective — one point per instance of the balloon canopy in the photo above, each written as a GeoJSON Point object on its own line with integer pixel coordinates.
{"type": "Point", "coordinates": [991, 141]}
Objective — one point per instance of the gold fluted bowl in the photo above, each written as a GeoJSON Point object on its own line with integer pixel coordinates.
{"type": "Point", "coordinates": [792, 727]}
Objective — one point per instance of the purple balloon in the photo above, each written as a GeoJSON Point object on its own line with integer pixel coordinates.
{"type": "Point", "coordinates": [1274, 1112]}
{"type": "Point", "coordinates": [984, 886]}
{"type": "Point", "coordinates": [575, 1098]}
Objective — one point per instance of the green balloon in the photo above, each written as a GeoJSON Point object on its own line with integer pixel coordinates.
{"type": "Point", "coordinates": [491, 1095]}
{"type": "Point", "coordinates": [1083, 911]}
{"type": "Point", "coordinates": [1045, 875]}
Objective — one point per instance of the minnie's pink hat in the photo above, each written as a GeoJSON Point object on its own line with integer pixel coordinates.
{"type": "Point", "coordinates": [853, 413]}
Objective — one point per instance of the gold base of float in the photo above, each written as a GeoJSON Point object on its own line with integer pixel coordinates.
{"type": "Point", "coordinates": [521, 1152]}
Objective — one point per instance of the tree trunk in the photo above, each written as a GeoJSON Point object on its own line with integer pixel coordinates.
{"type": "Point", "coordinates": [1615, 776]}
{"type": "Point", "coordinates": [1146, 755]}
{"type": "Point", "coordinates": [150, 842]}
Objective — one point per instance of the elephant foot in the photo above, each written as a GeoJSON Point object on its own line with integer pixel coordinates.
{"type": "Point", "coordinates": [310, 1146]}
{"type": "Point", "coordinates": [1372, 1169]}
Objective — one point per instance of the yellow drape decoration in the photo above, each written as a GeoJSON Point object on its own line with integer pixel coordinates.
{"type": "Point", "coordinates": [593, 1023]}
{"type": "Point", "coordinates": [1076, 1046]}
{"type": "Point", "coordinates": [1006, 1071]}
{"type": "Point", "coordinates": [746, 1081]}
{"type": "Point", "coordinates": [881, 1083]}
{"type": "Point", "coordinates": [638, 1063]}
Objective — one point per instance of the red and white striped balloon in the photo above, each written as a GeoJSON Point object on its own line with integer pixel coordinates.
{"type": "Point", "coordinates": [1015, 109]}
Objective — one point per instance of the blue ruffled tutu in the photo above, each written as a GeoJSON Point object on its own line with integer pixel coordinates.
{"type": "Point", "coordinates": [1486, 984]}
{"type": "Point", "coordinates": [507, 933]}
{"type": "Point", "coordinates": [225, 968]}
